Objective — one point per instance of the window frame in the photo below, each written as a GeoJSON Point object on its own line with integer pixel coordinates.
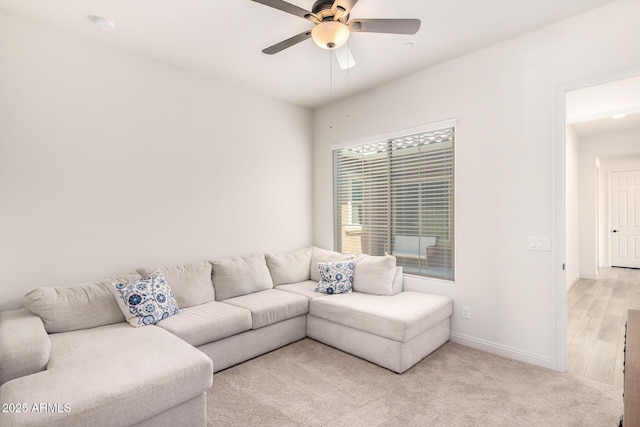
{"type": "Point", "coordinates": [450, 123]}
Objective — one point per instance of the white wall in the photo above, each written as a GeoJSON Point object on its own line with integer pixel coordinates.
{"type": "Point", "coordinates": [111, 161]}
{"type": "Point", "coordinates": [504, 99]}
{"type": "Point", "coordinates": [592, 188]}
{"type": "Point", "coordinates": [572, 208]}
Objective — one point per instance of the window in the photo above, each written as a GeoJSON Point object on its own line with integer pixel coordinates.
{"type": "Point", "coordinates": [395, 196]}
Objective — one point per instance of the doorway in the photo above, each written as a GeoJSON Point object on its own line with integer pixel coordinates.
{"type": "Point", "coordinates": [602, 144]}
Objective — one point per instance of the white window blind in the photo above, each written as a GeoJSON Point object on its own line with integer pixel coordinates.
{"type": "Point", "coordinates": [395, 196]}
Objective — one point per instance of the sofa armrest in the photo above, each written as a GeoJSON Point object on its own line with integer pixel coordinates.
{"type": "Point", "coordinates": [24, 345]}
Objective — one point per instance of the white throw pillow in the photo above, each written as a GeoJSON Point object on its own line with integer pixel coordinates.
{"type": "Point", "coordinates": [323, 255]}
{"type": "Point", "coordinates": [146, 301]}
{"type": "Point", "coordinates": [374, 274]}
{"type": "Point", "coordinates": [336, 277]}
{"type": "Point", "coordinates": [191, 283]}
{"type": "Point", "coordinates": [290, 267]}
{"type": "Point", "coordinates": [233, 277]}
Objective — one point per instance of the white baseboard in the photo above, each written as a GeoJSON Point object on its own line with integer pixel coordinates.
{"type": "Point", "coordinates": [572, 284]}
{"type": "Point", "coordinates": [502, 350]}
{"type": "Point", "coordinates": [593, 276]}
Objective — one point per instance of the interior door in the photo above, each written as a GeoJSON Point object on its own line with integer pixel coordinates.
{"type": "Point", "coordinates": [625, 219]}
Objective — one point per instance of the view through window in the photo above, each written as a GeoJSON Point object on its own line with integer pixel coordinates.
{"type": "Point", "coordinates": [395, 196]}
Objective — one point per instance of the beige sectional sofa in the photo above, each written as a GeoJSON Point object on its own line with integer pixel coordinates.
{"type": "Point", "coordinates": [70, 359]}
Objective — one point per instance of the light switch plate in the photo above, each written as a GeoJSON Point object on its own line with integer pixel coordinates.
{"type": "Point", "coordinates": [540, 244]}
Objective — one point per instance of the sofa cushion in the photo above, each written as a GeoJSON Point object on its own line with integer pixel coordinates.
{"type": "Point", "coordinates": [323, 255]}
{"type": "Point", "coordinates": [374, 274]}
{"type": "Point", "coordinates": [290, 267]}
{"type": "Point", "coordinates": [271, 306]}
{"type": "Point", "coordinates": [191, 283]}
{"type": "Point", "coordinates": [398, 317]}
{"type": "Point", "coordinates": [146, 301]}
{"type": "Point", "coordinates": [206, 323]}
{"type": "Point", "coordinates": [306, 289]}
{"type": "Point", "coordinates": [336, 277]}
{"type": "Point", "coordinates": [141, 373]}
{"type": "Point", "coordinates": [238, 276]}
{"type": "Point", "coordinates": [83, 306]}
{"type": "Point", "coordinates": [24, 345]}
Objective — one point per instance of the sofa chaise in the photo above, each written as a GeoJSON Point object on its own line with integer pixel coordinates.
{"type": "Point", "coordinates": [72, 358]}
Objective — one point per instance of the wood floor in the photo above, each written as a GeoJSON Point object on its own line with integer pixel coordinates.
{"type": "Point", "coordinates": [597, 312]}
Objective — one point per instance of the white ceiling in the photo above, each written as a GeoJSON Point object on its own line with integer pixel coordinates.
{"type": "Point", "coordinates": [224, 38]}
{"type": "Point", "coordinates": [607, 124]}
{"type": "Point", "coordinates": [590, 110]}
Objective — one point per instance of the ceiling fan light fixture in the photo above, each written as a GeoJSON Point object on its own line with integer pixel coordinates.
{"type": "Point", "coordinates": [330, 34]}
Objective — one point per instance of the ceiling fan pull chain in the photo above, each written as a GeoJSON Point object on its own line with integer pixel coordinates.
{"type": "Point", "coordinates": [348, 65]}
{"type": "Point", "coordinates": [330, 89]}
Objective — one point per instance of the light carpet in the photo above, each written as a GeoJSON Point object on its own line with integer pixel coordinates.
{"type": "Point", "coordinates": [308, 383]}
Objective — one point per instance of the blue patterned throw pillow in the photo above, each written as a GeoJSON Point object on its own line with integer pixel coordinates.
{"type": "Point", "coordinates": [146, 301]}
{"type": "Point", "coordinates": [336, 277]}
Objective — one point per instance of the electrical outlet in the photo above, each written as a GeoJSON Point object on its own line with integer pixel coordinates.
{"type": "Point", "coordinates": [466, 313]}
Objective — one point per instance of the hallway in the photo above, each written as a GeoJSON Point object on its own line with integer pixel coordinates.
{"type": "Point", "coordinates": [597, 313]}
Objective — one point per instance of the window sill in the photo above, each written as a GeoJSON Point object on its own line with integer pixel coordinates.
{"type": "Point", "coordinates": [430, 280]}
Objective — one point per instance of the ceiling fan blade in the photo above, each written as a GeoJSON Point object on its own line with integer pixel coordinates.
{"type": "Point", "coordinates": [393, 26]}
{"type": "Point", "coordinates": [342, 8]}
{"type": "Point", "coordinates": [285, 7]}
{"type": "Point", "coordinates": [344, 57]}
{"type": "Point", "coordinates": [287, 43]}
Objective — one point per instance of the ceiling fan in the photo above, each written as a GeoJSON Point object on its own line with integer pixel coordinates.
{"type": "Point", "coordinates": [333, 26]}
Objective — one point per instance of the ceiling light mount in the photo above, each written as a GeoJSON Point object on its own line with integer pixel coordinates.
{"type": "Point", "coordinates": [102, 22]}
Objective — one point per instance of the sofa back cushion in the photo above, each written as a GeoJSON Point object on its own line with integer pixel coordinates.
{"type": "Point", "coordinates": [234, 277]}
{"type": "Point", "coordinates": [290, 267]}
{"type": "Point", "coordinates": [374, 274]}
{"type": "Point", "coordinates": [83, 306]}
{"type": "Point", "coordinates": [191, 283]}
{"type": "Point", "coordinates": [323, 255]}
